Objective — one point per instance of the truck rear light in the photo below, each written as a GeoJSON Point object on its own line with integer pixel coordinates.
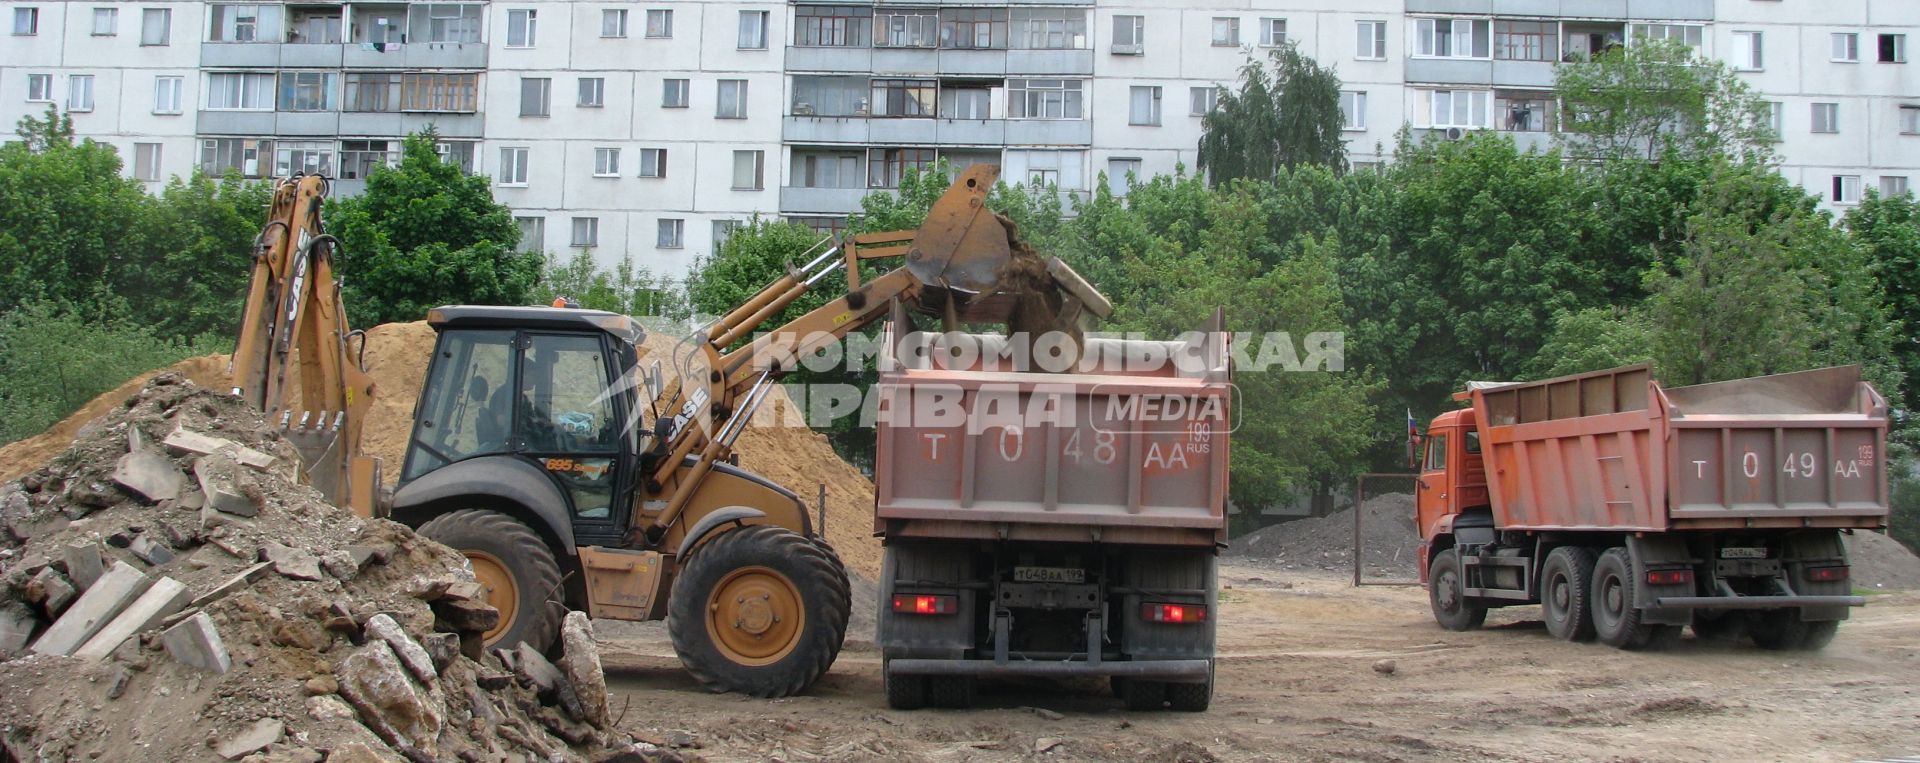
{"type": "Point", "coordinates": [1828, 574]}
{"type": "Point", "coordinates": [925, 604]}
{"type": "Point", "coordinates": [1173, 613]}
{"type": "Point", "coordinates": [1669, 577]}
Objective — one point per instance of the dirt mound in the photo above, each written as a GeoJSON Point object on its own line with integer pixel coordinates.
{"type": "Point", "coordinates": [1881, 563]}
{"type": "Point", "coordinates": [163, 593]}
{"type": "Point", "coordinates": [22, 456]}
{"type": "Point", "coordinates": [1391, 542]}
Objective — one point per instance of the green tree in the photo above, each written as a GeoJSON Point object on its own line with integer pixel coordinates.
{"type": "Point", "coordinates": [53, 359]}
{"type": "Point", "coordinates": [1659, 98]}
{"type": "Point", "coordinates": [194, 256]}
{"type": "Point", "coordinates": [625, 289]}
{"type": "Point", "coordinates": [1281, 118]}
{"type": "Point", "coordinates": [1593, 339]}
{"type": "Point", "coordinates": [1888, 229]}
{"type": "Point", "coordinates": [425, 234]}
{"type": "Point", "coordinates": [67, 217]}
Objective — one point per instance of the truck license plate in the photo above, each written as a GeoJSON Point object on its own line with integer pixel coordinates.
{"type": "Point", "coordinates": [1049, 575]}
{"type": "Point", "coordinates": [1743, 552]}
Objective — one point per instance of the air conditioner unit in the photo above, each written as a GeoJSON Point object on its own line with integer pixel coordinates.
{"type": "Point", "coordinates": [1456, 133]}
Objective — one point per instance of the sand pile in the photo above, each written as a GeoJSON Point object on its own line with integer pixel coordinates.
{"type": "Point", "coordinates": [1392, 544]}
{"type": "Point", "coordinates": [167, 592]}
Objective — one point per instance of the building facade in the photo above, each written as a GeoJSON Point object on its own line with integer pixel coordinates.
{"type": "Point", "coordinates": [650, 130]}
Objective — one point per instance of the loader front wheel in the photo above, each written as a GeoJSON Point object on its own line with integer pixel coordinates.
{"type": "Point", "coordinates": [515, 567]}
{"type": "Point", "coordinates": [759, 610]}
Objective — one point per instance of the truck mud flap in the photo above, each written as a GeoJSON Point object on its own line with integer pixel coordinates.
{"type": "Point", "coordinates": [1175, 671]}
{"type": "Point", "coordinates": [1757, 602]}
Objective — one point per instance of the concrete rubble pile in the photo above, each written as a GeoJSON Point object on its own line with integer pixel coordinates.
{"type": "Point", "coordinates": [169, 592]}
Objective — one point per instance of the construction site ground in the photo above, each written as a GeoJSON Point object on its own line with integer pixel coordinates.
{"type": "Point", "coordinates": [1298, 681]}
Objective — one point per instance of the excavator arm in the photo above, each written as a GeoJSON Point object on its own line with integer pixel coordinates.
{"type": "Point", "coordinates": [293, 329]}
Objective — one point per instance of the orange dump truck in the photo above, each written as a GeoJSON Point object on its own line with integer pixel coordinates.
{"type": "Point", "coordinates": [1051, 524]}
{"type": "Point", "coordinates": [1627, 509]}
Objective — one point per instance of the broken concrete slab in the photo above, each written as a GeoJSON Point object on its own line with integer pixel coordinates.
{"type": "Point", "coordinates": [290, 562]}
{"type": "Point", "coordinates": [219, 486]}
{"type": "Point", "coordinates": [17, 624]}
{"type": "Point", "coordinates": [246, 577]}
{"type": "Point", "coordinates": [184, 441]}
{"type": "Point", "coordinates": [149, 474]}
{"type": "Point", "coordinates": [84, 563]}
{"type": "Point", "coordinates": [547, 680]}
{"type": "Point", "coordinates": [465, 615]}
{"type": "Point", "coordinates": [373, 681]}
{"type": "Point", "coordinates": [195, 642]}
{"type": "Point", "coordinates": [364, 555]}
{"type": "Point", "coordinates": [340, 564]}
{"type": "Point", "coordinates": [411, 654]}
{"type": "Point", "coordinates": [264, 732]}
{"type": "Point", "coordinates": [442, 647]}
{"type": "Point", "coordinates": [108, 597]}
{"type": "Point", "coordinates": [50, 590]}
{"type": "Point", "coordinates": [581, 661]}
{"type": "Point", "coordinates": [165, 597]}
{"type": "Point", "coordinates": [150, 551]}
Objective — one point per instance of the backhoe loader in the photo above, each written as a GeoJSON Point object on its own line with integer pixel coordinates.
{"type": "Point", "coordinates": [529, 454]}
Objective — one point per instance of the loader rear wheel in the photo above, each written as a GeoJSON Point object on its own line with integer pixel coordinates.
{"type": "Point", "coordinates": [760, 610]}
{"type": "Point", "coordinates": [515, 567]}
{"type": "Point", "coordinates": [1446, 592]}
{"type": "Point", "coordinates": [1617, 618]}
{"type": "Point", "coordinates": [1567, 579]}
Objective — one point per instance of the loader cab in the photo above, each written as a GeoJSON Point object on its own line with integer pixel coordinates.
{"type": "Point", "coordinates": [1452, 474]}
{"type": "Point", "coordinates": [545, 393]}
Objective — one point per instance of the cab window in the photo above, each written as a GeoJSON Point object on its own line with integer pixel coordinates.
{"type": "Point", "coordinates": [567, 418]}
{"type": "Point", "coordinates": [1473, 441]}
{"type": "Point", "coordinates": [1436, 452]}
{"type": "Point", "coordinates": [467, 410]}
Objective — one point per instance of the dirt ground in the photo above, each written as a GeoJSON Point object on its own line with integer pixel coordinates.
{"type": "Point", "coordinates": [1297, 682]}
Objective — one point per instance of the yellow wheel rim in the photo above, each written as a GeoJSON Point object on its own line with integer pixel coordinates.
{"type": "Point", "coordinates": [502, 593]}
{"type": "Point", "coordinates": [754, 616]}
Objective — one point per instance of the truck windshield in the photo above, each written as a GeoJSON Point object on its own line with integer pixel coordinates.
{"type": "Point", "coordinates": [467, 409]}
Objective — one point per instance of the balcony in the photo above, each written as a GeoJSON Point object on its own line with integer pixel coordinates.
{"type": "Point", "coordinates": [829, 59]}
{"type": "Point", "coordinates": [234, 123]}
{"type": "Point", "coordinates": [448, 124]}
{"type": "Point", "coordinates": [1450, 71]}
{"type": "Point", "coordinates": [937, 132]}
{"type": "Point", "coordinates": [1522, 73]}
{"type": "Point", "coordinates": [240, 55]}
{"type": "Point", "coordinates": [1050, 62]}
{"type": "Point", "coordinates": [830, 201]}
{"type": "Point", "coordinates": [1049, 132]}
{"type": "Point", "coordinates": [307, 123]}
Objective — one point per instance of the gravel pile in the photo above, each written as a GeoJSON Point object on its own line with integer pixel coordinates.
{"type": "Point", "coordinates": [1388, 535]}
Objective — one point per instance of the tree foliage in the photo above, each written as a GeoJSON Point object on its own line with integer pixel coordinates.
{"type": "Point", "coordinates": [426, 234]}
{"type": "Point", "coordinates": [67, 217]}
{"type": "Point", "coordinates": [1282, 118]}
{"type": "Point", "coordinates": [1888, 230]}
{"type": "Point", "coordinates": [1659, 98]}
{"type": "Point", "coordinates": [624, 289]}
{"type": "Point", "coordinates": [53, 359]}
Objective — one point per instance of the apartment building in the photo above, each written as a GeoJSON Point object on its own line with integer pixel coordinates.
{"type": "Point", "coordinates": [650, 130]}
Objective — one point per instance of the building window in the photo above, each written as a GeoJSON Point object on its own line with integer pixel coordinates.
{"type": "Point", "coordinates": [1129, 35]}
{"type": "Point", "coordinates": [535, 96]}
{"type": "Point", "coordinates": [723, 230]}
{"type": "Point", "coordinates": [1526, 110]}
{"type": "Point", "coordinates": [80, 92]}
{"type": "Point", "coordinates": [421, 91]}
{"type": "Point", "coordinates": [821, 224]}
{"type": "Point", "coordinates": [1143, 106]}
{"type": "Point", "coordinates": [1910, 120]}
{"type": "Point", "coordinates": [513, 166]}
{"type": "Point", "coordinates": [973, 28]}
{"type": "Point", "coordinates": [1689, 34]}
{"type": "Point", "coordinates": [1050, 28]}
{"type": "Point", "coordinates": [1893, 185]}
{"type": "Point", "coordinates": [306, 91]}
{"type": "Point", "coordinates": [1452, 38]}
{"type": "Point", "coordinates": [522, 26]}
{"type": "Point", "coordinates": [653, 162]}
{"type": "Point", "coordinates": [1893, 48]}
{"type": "Point", "coordinates": [593, 92]}
{"type": "Point", "coordinates": [903, 29]}
{"type": "Point", "coordinates": [1226, 32]}
{"type": "Point", "coordinates": [904, 97]}
{"type": "Point", "coordinates": [1459, 108]}
{"type": "Point", "coordinates": [606, 162]}
{"type": "Point", "coordinates": [613, 22]}
{"type": "Point", "coordinates": [1846, 189]}
{"type": "Point", "coordinates": [732, 99]}
{"type": "Point", "coordinates": [234, 23]}
{"type": "Point", "coordinates": [156, 26]}
{"type": "Point", "coordinates": [1273, 32]}
{"type": "Point", "coordinates": [166, 95]}
{"type": "Point", "coordinates": [1526, 41]}
{"type": "Point", "coordinates": [240, 90]}
{"type": "Point", "coordinates": [372, 92]}
{"type": "Point", "coordinates": [218, 156]}
{"type": "Point", "coordinates": [1370, 43]}
{"type": "Point", "coordinates": [446, 22]}
{"type": "Point", "coordinates": [832, 26]}
{"type": "Point", "coordinates": [359, 158]}
{"type": "Point", "coordinates": [586, 231]}
{"type": "Point", "coordinates": [886, 166]}
{"type": "Point", "coordinates": [146, 161]}
{"type": "Point", "coordinates": [39, 88]}
{"type": "Point", "coordinates": [1353, 110]}
{"type": "Point", "coordinates": [106, 22]}
{"type": "Point", "coordinates": [1748, 50]}
{"type": "Point", "coordinates": [659, 23]}
{"type": "Point", "coordinates": [671, 233]}
{"type": "Point", "coordinates": [1045, 99]}
{"type": "Point", "coordinates": [966, 103]}
{"type": "Point", "coordinates": [1119, 169]}
{"type": "Point", "coordinates": [1777, 119]}
{"type": "Point", "coordinates": [753, 30]}
{"type": "Point", "coordinates": [1826, 117]}
{"type": "Point", "coordinates": [830, 96]}
{"type": "Point", "coordinates": [1846, 47]}
{"type": "Point", "coordinates": [673, 94]}
{"type": "Point", "coordinates": [827, 170]}
{"type": "Point", "coordinates": [26, 21]}
{"type": "Point", "coordinates": [1201, 101]}
{"type": "Point", "coordinates": [458, 153]}
{"type": "Point", "coordinates": [302, 157]}
{"type": "Point", "coordinates": [533, 234]}
{"type": "Point", "coordinates": [1064, 170]}
{"type": "Point", "coordinates": [747, 166]}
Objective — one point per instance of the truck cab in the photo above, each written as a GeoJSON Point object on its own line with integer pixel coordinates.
{"type": "Point", "coordinates": [1451, 491]}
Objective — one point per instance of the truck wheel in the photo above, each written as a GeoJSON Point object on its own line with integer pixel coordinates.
{"type": "Point", "coordinates": [1782, 629]}
{"type": "Point", "coordinates": [1192, 698]}
{"type": "Point", "coordinates": [954, 692]}
{"type": "Point", "coordinates": [905, 692]}
{"type": "Point", "coordinates": [1616, 620]}
{"type": "Point", "coordinates": [1143, 695]}
{"type": "Point", "coordinates": [1568, 577]}
{"type": "Point", "coordinates": [1446, 591]}
{"type": "Point", "coordinates": [1720, 626]}
{"type": "Point", "coordinates": [514, 565]}
{"type": "Point", "coordinates": [760, 610]}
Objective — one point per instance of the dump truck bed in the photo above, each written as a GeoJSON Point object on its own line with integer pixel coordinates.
{"type": "Point", "coordinates": [1614, 450]}
{"type": "Point", "coordinates": [1135, 448]}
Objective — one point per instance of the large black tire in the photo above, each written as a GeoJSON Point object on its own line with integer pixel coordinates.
{"type": "Point", "coordinates": [1143, 695]}
{"type": "Point", "coordinates": [764, 561]}
{"type": "Point", "coordinates": [1446, 585]}
{"type": "Point", "coordinates": [1709, 625]}
{"type": "Point", "coordinates": [1565, 583]}
{"type": "Point", "coordinates": [1782, 629]}
{"type": "Point", "coordinates": [528, 592]}
{"type": "Point", "coordinates": [905, 692]}
{"type": "Point", "coordinates": [1192, 698]}
{"type": "Point", "coordinates": [1617, 621]}
{"type": "Point", "coordinates": [956, 692]}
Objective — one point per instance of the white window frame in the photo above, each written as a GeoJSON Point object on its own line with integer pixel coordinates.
{"type": "Point", "coordinates": [1353, 109]}
{"type": "Point", "coordinates": [676, 93]}
{"type": "Point", "coordinates": [753, 30]}
{"type": "Point", "coordinates": [257, 91]}
{"type": "Point", "coordinates": [1831, 122]}
{"type": "Point", "coordinates": [670, 233]}
{"type": "Point", "coordinates": [757, 164]}
{"type": "Point", "coordinates": [1117, 169]}
{"type": "Point", "coordinates": [233, 22]}
{"type": "Point", "coordinates": [585, 232]}
{"type": "Point", "coordinates": [149, 155]}
{"type": "Point", "coordinates": [26, 21]}
{"type": "Point", "coordinates": [546, 96]}
{"type": "Point", "coordinates": [1909, 117]}
{"type": "Point", "coordinates": [1899, 48]}
{"type": "Point", "coordinates": [1201, 101]}
{"type": "Point", "coordinates": [515, 162]}
{"type": "Point", "coordinates": [1370, 47]}
{"type": "Point", "coordinates": [1049, 93]}
{"type": "Point", "coordinates": [533, 233]}
{"type": "Point", "coordinates": [1841, 186]}
{"type": "Point", "coordinates": [1429, 38]}
{"type": "Point", "coordinates": [613, 23]}
{"type": "Point", "coordinates": [653, 163]}
{"type": "Point", "coordinates": [41, 84]}
{"type": "Point", "coordinates": [149, 35]}
{"type": "Point", "coordinates": [1894, 185]}
{"type": "Point", "coordinates": [1136, 28]}
{"type": "Point", "coordinates": [79, 93]}
{"type": "Point", "coordinates": [739, 88]}
{"type": "Point", "coordinates": [606, 162]}
{"type": "Point", "coordinates": [112, 18]}
{"type": "Point", "coordinates": [1267, 28]}
{"type": "Point", "coordinates": [1152, 117]}
{"type": "Point", "coordinates": [659, 23]}
{"type": "Point", "coordinates": [1481, 100]}
{"type": "Point", "coordinates": [523, 27]}
{"type": "Point", "coordinates": [1230, 26]}
{"type": "Point", "coordinates": [303, 156]}
{"type": "Point", "coordinates": [592, 92]}
{"type": "Point", "coordinates": [1777, 118]}
{"type": "Point", "coordinates": [167, 92]}
{"type": "Point", "coordinates": [1844, 48]}
{"type": "Point", "coordinates": [1749, 51]}
{"type": "Point", "coordinates": [1645, 31]}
